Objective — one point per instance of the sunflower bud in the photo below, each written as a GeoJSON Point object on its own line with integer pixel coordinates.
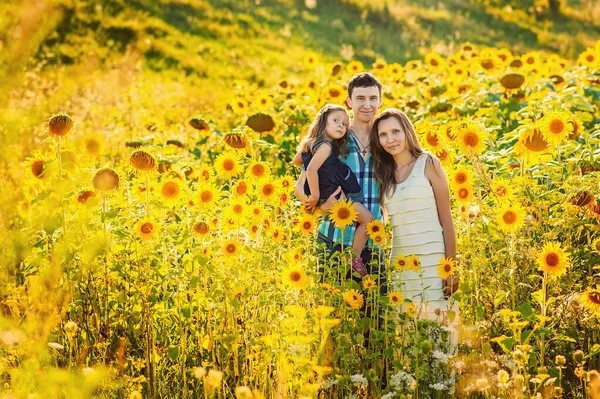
{"type": "Point", "coordinates": [560, 360]}
{"type": "Point", "coordinates": [578, 356]}
{"type": "Point", "coordinates": [60, 124]}
{"type": "Point", "coordinates": [143, 161]}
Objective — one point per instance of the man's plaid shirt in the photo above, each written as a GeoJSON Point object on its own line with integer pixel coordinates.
{"type": "Point", "coordinates": [370, 190]}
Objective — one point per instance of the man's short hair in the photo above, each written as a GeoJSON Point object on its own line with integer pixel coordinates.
{"type": "Point", "coordinates": [363, 79]}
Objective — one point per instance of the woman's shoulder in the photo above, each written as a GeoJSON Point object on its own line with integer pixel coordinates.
{"type": "Point", "coordinates": [433, 165]}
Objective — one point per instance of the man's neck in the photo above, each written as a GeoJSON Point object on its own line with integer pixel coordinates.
{"type": "Point", "coordinates": [361, 129]}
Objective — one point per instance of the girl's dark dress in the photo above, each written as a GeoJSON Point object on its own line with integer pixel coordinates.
{"type": "Point", "coordinates": [332, 173]}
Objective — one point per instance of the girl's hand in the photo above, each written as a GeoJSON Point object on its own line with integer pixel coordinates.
{"type": "Point", "coordinates": [311, 202]}
{"type": "Point", "coordinates": [449, 286]}
{"type": "Point", "coordinates": [331, 200]}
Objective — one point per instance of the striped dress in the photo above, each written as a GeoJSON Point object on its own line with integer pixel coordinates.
{"type": "Point", "coordinates": [417, 231]}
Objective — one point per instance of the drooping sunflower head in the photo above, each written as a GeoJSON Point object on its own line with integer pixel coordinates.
{"type": "Point", "coordinates": [84, 196]}
{"type": "Point", "coordinates": [60, 125]}
{"type": "Point", "coordinates": [143, 161]}
{"type": "Point", "coordinates": [553, 260]}
{"type": "Point", "coordinates": [343, 213]}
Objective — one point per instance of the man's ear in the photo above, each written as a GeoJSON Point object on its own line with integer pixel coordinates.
{"type": "Point", "coordinates": [349, 101]}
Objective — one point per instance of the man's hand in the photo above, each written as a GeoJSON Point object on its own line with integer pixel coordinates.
{"type": "Point", "coordinates": [331, 200]}
{"type": "Point", "coordinates": [449, 286]}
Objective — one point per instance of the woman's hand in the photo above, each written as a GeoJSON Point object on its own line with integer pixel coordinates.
{"type": "Point", "coordinates": [449, 286]}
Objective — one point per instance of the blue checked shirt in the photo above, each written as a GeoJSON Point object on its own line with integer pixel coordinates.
{"type": "Point", "coordinates": [370, 190]}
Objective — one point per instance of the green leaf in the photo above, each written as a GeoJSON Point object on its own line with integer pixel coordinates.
{"type": "Point", "coordinates": [173, 352]}
{"type": "Point", "coordinates": [499, 298]}
{"type": "Point", "coordinates": [595, 350]}
{"type": "Point", "coordinates": [525, 336]}
{"type": "Point", "coordinates": [527, 311]}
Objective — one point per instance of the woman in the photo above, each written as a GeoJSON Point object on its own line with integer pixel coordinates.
{"type": "Point", "coordinates": [414, 194]}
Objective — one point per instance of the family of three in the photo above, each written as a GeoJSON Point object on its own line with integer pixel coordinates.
{"type": "Point", "coordinates": [375, 161]}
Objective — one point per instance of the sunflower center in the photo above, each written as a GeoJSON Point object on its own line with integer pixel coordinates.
{"type": "Point", "coordinates": [501, 191]}
{"type": "Point", "coordinates": [402, 263]}
{"type": "Point", "coordinates": [463, 193]}
{"type": "Point", "coordinates": [334, 93]}
{"type": "Point", "coordinates": [434, 62]}
{"type": "Point", "coordinates": [205, 175]}
{"type": "Point", "coordinates": [594, 297]}
{"type": "Point", "coordinates": [530, 60]}
{"type": "Point", "coordinates": [509, 217]}
{"type": "Point", "coordinates": [552, 260]}
{"type": "Point", "coordinates": [447, 268]}
{"type": "Point", "coordinates": [206, 196]}
{"type": "Point", "coordinates": [228, 165]}
{"type": "Point", "coordinates": [201, 228]}
{"type": "Point", "coordinates": [92, 145]}
{"type": "Point", "coordinates": [237, 208]}
{"type": "Point", "coordinates": [461, 178]}
{"type": "Point", "coordinates": [258, 170]}
{"type": "Point", "coordinates": [375, 229]}
{"type": "Point", "coordinates": [557, 126]}
{"type": "Point", "coordinates": [83, 197]}
{"type": "Point", "coordinates": [242, 188]}
{"type": "Point", "coordinates": [432, 139]}
{"type": "Point", "coordinates": [268, 189]}
{"type": "Point", "coordinates": [37, 168]}
{"type": "Point", "coordinates": [147, 228]}
{"type": "Point", "coordinates": [343, 213]}
{"type": "Point", "coordinates": [295, 276]}
{"type": "Point", "coordinates": [230, 248]}
{"type": "Point", "coordinates": [590, 58]}
{"type": "Point", "coordinates": [256, 211]}
{"type": "Point", "coordinates": [170, 189]}
{"type": "Point", "coordinates": [240, 104]}
{"type": "Point", "coordinates": [307, 225]}
{"type": "Point", "coordinates": [471, 139]}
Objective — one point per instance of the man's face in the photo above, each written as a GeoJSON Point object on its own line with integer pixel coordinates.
{"type": "Point", "coordinates": [364, 103]}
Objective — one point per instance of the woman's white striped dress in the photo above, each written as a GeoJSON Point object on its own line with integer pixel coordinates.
{"type": "Point", "coordinates": [417, 231]}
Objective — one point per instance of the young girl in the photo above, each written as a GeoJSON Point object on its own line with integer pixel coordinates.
{"type": "Point", "coordinates": [324, 142]}
{"type": "Point", "coordinates": [414, 192]}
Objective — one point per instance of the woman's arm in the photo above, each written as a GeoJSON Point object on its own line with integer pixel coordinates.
{"type": "Point", "coordinates": [297, 159]}
{"type": "Point", "coordinates": [312, 175]}
{"type": "Point", "coordinates": [437, 177]}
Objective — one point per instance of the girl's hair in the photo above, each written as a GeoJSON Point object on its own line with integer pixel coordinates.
{"type": "Point", "coordinates": [316, 132]}
{"type": "Point", "coordinates": [384, 164]}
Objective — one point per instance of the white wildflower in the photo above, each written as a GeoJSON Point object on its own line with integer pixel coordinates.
{"type": "Point", "coordinates": [359, 380]}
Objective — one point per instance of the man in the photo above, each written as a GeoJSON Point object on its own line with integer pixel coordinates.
{"type": "Point", "coordinates": [364, 97]}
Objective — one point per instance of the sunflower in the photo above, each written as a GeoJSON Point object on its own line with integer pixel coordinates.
{"type": "Point", "coordinates": [411, 310]}
{"type": "Point", "coordinates": [60, 124]}
{"type": "Point", "coordinates": [227, 165]}
{"type": "Point", "coordinates": [464, 193]}
{"type": "Point", "coordinates": [430, 137]}
{"type": "Point", "coordinates": [400, 262]}
{"type": "Point", "coordinates": [330, 288]}
{"type": "Point", "coordinates": [596, 246]}
{"type": "Point", "coordinates": [413, 262]}
{"type": "Point", "coordinates": [237, 210]}
{"type": "Point", "coordinates": [295, 276]}
{"type": "Point", "coordinates": [146, 229]}
{"type": "Point", "coordinates": [284, 198]}
{"type": "Point", "coordinates": [263, 101]}
{"type": "Point", "coordinates": [40, 169]}
{"type": "Point", "coordinates": [142, 161]}
{"type": "Point", "coordinates": [277, 234]}
{"type": "Point", "coordinates": [257, 171]}
{"type": "Point", "coordinates": [170, 190]}
{"type": "Point", "coordinates": [355, 67]}
{"type": "Point", "coordinates": [208, 196]}
{"type": "Point", "coordinates": [353, 298]}
{"type": "Point", "coordinates": [239, 105]}
{"type": "Point", "coordinates": [588, 58]}
{"type": "Point", "coordinates": [241, 188]}
{"type": "Point", "coordinates": [268, 191]}
{"type": "Point", "coordinates": [84, 195]}
{"type": "Point", "coordinates": [343, 213]}
{"type": "Point", "coordinates": [307, 225]}
{"type": "Point", "coordinates": [334, 93]}
{"type": "Point", "coordinates": [510, 218]}
{"type": "Point", "coordinates": [553, 260]}
{"type": "Point", "coordinates": [501, 189]}
{"type": "Point", "coordinates": [92, 144]}
{"type": "Point", "coordinates": [435, 62]}
{"type": "Point", "coordinates": [555, 127]}
{"type": "Point", "coordinates": [446, 268]}
{"type": "Point", "coordinates": [201, 228]}
{"type": "Point", "coordinates": [311, 60]}
{"type": "Point", "coordinates": [286, 183]}
{"type": "Point", "coordinates": [590, 299]}
{"type": "Point", "coordinates": [470, 138]}
{"type": "Point", "coordinates": [105, 179]}
{"type": "Point", "coordinates": [375, 227]}
{"type": "Point", "coordinates": [205, 173]}
{"type": "Point", "coordinates": [295, 255]}
{"type": "Point", "coordinates": [230, 248]}
{"type": "Point", "coordinates": [256, 211]}
{"type": "Point", "coordinates": [531, 60]}
{"type": "Point", "coordinates": [461, 176]}
{"type": "Point", "coordinates": [378, 239]}
{"type": "Point", "coordinates": [395, 298]}
{"type": "Point", "coordinates": [368, 282]}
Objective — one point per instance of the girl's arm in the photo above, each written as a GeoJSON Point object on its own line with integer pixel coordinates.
{"type": "Point", "coordinates": [312, 175]}
{"type": "Point", "coordinates": [437, 177]}
{"type": "Point", "coordinates": [297, 159]}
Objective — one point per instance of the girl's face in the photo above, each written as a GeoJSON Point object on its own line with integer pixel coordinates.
{"type": "Point", "coordinates": [391, 136]}
{"type": "Point", "coordinates": [337, 124]}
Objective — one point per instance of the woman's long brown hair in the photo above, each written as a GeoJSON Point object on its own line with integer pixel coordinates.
{"type": "Point", "coordinates": [383, 162]}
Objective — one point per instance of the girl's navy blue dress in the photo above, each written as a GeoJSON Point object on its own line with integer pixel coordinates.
{"type": "Point", "coordinates": [332, 173]}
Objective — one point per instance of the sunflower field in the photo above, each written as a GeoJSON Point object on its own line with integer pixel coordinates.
{"type": "Point", "coordinates": [153, 250]}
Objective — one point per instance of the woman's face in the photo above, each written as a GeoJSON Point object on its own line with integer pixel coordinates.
{"type": "Point", "coordinates": [391, 136]}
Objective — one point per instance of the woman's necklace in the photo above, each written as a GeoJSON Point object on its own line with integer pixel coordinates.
{"type": "Point", "coordinates": [360, 144]}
